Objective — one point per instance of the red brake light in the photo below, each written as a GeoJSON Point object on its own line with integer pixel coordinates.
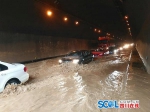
{"type": "Point", "coordinates": [25, 69]}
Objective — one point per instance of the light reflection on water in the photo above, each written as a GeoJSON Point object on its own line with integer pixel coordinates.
{"type": "Point", "coordinates": [113, 84]}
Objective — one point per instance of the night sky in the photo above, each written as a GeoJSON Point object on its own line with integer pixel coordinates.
{"type": "Point", "coordinates": [29, 16]}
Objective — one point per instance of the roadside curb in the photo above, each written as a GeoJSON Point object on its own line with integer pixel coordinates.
{"type": "Point", "coordinates": [126, 73]}
{"type": "Point", "coordinates": [37, 60]}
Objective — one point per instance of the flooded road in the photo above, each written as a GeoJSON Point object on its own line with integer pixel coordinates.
{"type": "Point", "coordinates": [77, 88]}
{"type": "Point", "coordinates": [137, 85]}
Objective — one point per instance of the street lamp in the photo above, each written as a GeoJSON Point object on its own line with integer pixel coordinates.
{"type": "Point", "coordinates": [76, 22]}
{"type": "Point", "coordinates": [99, 31]}
{"type": "Point", "coordinates": [126, 17]}
{"type": "Point", "coordinates": [65, 18]}
{"type": "Point", "coordinates": [49, 13]}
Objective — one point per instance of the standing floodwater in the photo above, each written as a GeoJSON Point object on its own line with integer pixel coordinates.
{"type": "Point", "coordinates": [70, 88]}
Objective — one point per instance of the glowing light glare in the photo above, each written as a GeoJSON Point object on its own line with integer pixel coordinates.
{"type": "Point", "coordinates": [115, 51]}
{"type": "Point", "coordinates": [49, 13]}
{"type": "Point", "coordinates": [108, 34]}
{"type": "Point", "coordinates": [65, 18]}
{"type": "Point", "coordinates": [95, 29]}
{"type": "Point", "coordinates": [126, 46]}
{"type": "Point", "coordinates": [76, 22]}
{"type": "Point", "coordinates": [126, 17]}
{"type": "Point", "coordinates": [60, 61]}
{"type": "Point", "coordinates": [99, 31]}
{"type": "Point", "coordinates": [127, 21]}
{"type": "Point", "coordinates": [106, 52]}
{"type": "Point", "coordinates": [132, 44]}
{"type": "Point", "coordinates": [75, 61]}
{"type": "Point", "coordinates": [128, 24]}
{"type": "Point", "coordinates": [120, 48]}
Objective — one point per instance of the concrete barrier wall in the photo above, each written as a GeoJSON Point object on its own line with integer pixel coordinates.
{"type": "Point", "coordinates": [144, 52]}
{"type": "Point", "coordinates": [143, 44]}
{"type": "Point", "coordinates": [139, 20]}
{"type": "Point", "coordinates": [24, 47]}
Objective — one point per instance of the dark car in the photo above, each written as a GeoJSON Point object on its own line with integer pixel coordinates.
{"type": "Point", "coordinates": [77, 57]}
{"type": "Point", "coordinates": [111, 50]}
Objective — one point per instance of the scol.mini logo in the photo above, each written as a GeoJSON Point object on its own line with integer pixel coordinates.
{"type": "Point", "coordinates": [118, 104]}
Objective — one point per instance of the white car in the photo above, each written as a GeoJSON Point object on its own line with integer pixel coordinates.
{"type": "Point", "coordinates": [12, 73]}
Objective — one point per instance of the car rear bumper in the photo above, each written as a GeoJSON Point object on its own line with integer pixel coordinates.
{"type": "Point", "coordinates": [24, 77]}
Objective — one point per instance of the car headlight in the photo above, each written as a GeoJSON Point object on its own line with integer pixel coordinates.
{"type": "Point", "coordinates": [106, 52]}
{"type": "Point", "coordinates": [132, 44]}
{"type": "Point", "coordinates": [60, 61]}
{"type": "Point", "coordinates": [121, 48]}
{"type": "Point", "coordinates": [75, 61]}
{"type": "Point", "coordinates": [115, 51]}
{"type": "Point", "coordinates": [126, 46]}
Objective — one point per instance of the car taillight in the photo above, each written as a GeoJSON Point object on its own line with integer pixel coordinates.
{"type": "Point", "coordinates": [25, 69]}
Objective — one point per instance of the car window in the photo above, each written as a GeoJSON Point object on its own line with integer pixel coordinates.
{"type": "Point", "coordinates": [88, 52]}
{"type": "Point", "coordinates": [92, 50]}
{"type": "Point", "coordinates": [111, 48]}
{"type": "Point", "coordinates": [85, 53]}
{"type": "Point", "coordinates": [103, 41]}
{"type": "Point", "coordinates": [80, 54]}
{"type": "Point", "coordinates": [3, 67]}
{"type": "Point", "coordinates": [72, 54]}
{"type": "Point", "coordinates": [100, 49]}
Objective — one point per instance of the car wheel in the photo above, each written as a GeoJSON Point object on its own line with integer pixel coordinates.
{"type": "Point", "coordinates": [93, 59]}
{"type": "Point", "coordinates": [81, 62]}
{"type": "Point", "coordinates": [13, 81]}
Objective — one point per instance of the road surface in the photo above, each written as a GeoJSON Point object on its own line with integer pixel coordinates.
{"type": "Point", "coordinates": [78, 88]}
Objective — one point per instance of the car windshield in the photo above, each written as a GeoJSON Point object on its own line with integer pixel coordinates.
{"type": "Point", "coordinates": [72, 54]}
{"type": "Point", "coordinates": [99, 49]}
{"type": "Point", "coordinates": [103, 41]}
{"type": "Point", "coordinates": [111, 48]}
